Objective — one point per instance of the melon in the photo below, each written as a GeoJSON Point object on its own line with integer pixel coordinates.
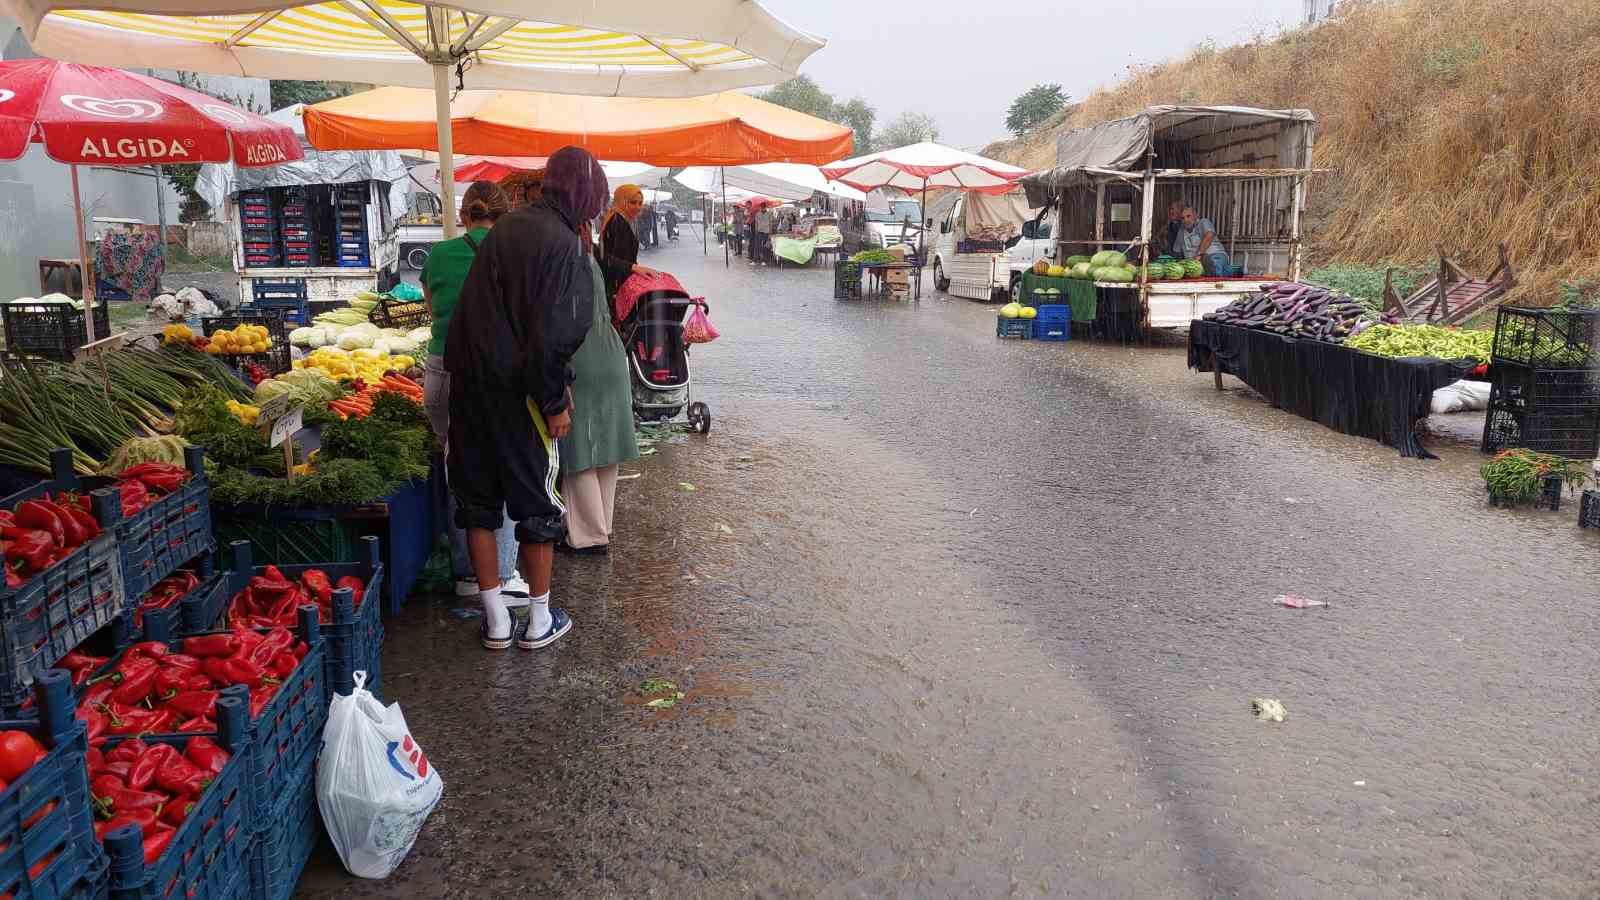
{"type": "Point", "coordinates": [1057, 271]}
{"type": "Point", "coordinates": [1011, 310]}
{"type": "Point", "coordinates": [1028, 312]}
{"type": "Point", "coordinates": [1083, 270]}
{"type": "Point", "coordinates": [1041, 267]}
{"type": "Point", "coordinates": [1108, 258]}
{"type": "Point", "coordinates": [1074, 260]}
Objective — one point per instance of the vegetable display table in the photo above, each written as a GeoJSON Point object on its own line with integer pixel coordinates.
{"type": "Point", "coordinates": [1347, 390]}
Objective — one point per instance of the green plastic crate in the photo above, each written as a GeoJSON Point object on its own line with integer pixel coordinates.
{"type": "Point", "coordinates": [285, 541]}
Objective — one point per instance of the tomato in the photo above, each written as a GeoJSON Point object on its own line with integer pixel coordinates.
{"type": "Point", "coordinates": [18, 753]}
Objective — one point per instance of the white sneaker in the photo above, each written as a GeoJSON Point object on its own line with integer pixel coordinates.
{"type": "Point", "coordinates": [514, 591]}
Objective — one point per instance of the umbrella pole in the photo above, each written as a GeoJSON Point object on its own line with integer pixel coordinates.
{"type": "Point", "coordinates": [722, 173]}
{"type": "Point", "coordinates": [83, 260]}
{"type": "Point", "coordinates": [705, 222]}
{"type": "Point", "coordinates": [447, 161]}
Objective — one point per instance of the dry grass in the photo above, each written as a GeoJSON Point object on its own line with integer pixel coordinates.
{"type": "Point", "coordinates": [1452, 122]}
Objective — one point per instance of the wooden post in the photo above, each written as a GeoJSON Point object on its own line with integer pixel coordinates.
{"type": "Point", "coordinates": [84, 262]}
{"type": "Point", "coordinates": [1100, 215]}
{"type": "Point", "coordinates": [1146, 232]}
{"type": "Point", "coordinates": [1294, 228]}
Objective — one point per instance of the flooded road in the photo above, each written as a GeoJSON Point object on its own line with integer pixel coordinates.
{"type": "Point", "coordinates": [961, 617]}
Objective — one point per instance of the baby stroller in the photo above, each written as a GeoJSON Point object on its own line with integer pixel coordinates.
{"type": "Point", "coordinates": [650, 313]}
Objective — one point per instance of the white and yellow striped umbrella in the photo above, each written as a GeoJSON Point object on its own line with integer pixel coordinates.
{"type": "Point", "coordinates": [636, 48]}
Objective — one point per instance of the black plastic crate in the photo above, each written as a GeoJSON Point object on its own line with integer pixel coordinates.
{"type": "Point", "coordinates": [393, 313]}
{"type": "Point", "coordinates": [287, 296]}
{"type": "Point", "coordinates": [50, 330]}
{"type": "Point", "coordinates": [1549, 410]}
{"type": "Point", "coordinates": [846, 280]}
{"type": "Point", "coordinates": [1589, 510]}
{"type": "Point", "coordinates": [1547, 338]}
{"type": "Point", "coordinates": [276, 359]}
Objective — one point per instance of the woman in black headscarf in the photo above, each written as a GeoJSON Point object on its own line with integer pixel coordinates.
{"type": "Point", "coordinates": [524, 311]}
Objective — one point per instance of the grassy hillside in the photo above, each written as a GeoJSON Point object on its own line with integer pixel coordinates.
{"type": "Point", "coordinates": [1454, 122]}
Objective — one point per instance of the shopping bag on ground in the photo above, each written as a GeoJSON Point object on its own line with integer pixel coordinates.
{"type": "Point", "coordinates": [375, 786]}
{"type": "Point", "coordinates": [697, 329]}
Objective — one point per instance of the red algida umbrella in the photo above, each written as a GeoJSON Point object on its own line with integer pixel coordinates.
{"type": "Point", "coordinates": [92, 115]}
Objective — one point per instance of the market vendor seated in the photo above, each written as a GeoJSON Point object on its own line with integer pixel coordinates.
{"type": "Point", "coordinates": [1198, 240]}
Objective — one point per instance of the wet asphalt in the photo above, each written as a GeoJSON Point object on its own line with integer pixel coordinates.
{"type": "Point", "coordinates": [958, 617]}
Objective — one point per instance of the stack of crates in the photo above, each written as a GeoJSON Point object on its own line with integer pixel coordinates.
{"type": "Point", "coordinates": [1545, 382]}
{"type": "Point", "coordinates": [350, 218]}
{"type": "Point", "coordinates": [1053, 323]}
{"type": "Point", "coordinates": [298, 230]}
{"type": "Point", "coordinates": [258, 219]}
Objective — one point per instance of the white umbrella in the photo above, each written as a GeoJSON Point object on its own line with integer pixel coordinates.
{"type": "Point", "coordinates": [923, 166]}
{"type": "Point", "coordinates": [640, 48]}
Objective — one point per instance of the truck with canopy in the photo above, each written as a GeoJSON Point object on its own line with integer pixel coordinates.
{"type": "Point", "coordinates": [1244, 169]}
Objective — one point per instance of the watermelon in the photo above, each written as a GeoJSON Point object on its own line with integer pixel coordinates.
{"type": "Point", "coordinates": [1176, 270]}
{"type": "Point", "coordinates": [1193, 268]}
{"type": "Point", "coordinates": [1074, 260]}
{"type": "Point", "coordinates": [1108, 258]}
{"type": "Point", "coordinates": [1081, 270]}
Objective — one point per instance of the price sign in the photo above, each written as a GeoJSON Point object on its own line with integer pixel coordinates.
{"type": "Point", "coordinates": [287, 425]}
{"type": "Point", "coordinates": [274, 408]}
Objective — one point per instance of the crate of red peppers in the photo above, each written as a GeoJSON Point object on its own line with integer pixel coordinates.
{"type": "Point", "coordinates": [197, 594]}
{"type": "Point", "coordinates": [173, 809]}
{"type": "Point", "coordinates": [63, 576]}
{"type": "Point", "coordinates": [164, 518]}
{"type": "Point", "coordinates": [47, 849]}
{"type": "Point", "coordinates": [167, 685]}
{"type": "Point", "coordinates": [351, 624]}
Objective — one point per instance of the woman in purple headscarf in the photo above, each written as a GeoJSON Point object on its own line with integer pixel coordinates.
{"type": "Point", "coordinates": [524, 311]}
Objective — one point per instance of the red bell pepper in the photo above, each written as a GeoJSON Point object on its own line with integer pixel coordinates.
{"type": "Point", "coordinates": [150, 649]}
{"type": "Point", "coordinates": [127, 751]}
{"type": "Point", "coordinates": [136, 678]}
{"type": "Point", "coordinates": [156, 840]}
{"type": "Point", "coordinates": [273, 573]}
{"type": "Point", "coordinates": [197, 726]}
{"type": "Point", "coordinates": [211, 645]}
{"type": "Point", "coordinates": [118, 768]}
{"type": "Point", "coordinates": [181, 661]}
{"type": "Point", "coordinates": [29, 546]}
{"type": "Point", "coordinates": [72, 531]}
{"type": "Point", "coordinates": [128, 800]}
{"type": "Point", "coordinates": [135, 497]}
{"type": "Point", "coordinates": [260, 698]}
{"type": "Point", "coordinates": [77, 659]}
{"type": "Point", "coordinates": [176, 813]}
{"type": "Point", "coordinates": [316, 581]}
{"type": "Point", "coordinates": [169, 682]}
{"type": "Point", "coordinates": [205, 753]}
{"type": "Point", "coordinates": [143, 771]}
{"type": "Point", "coordinates": [97, 724]}
{"type": "Point", "coordinates": [193, 704]}
{"type": "Point", "coordinates": [106, 784]}
{"type": "Point", "coordinates": [357, 588]}
{"type": "Point", "coordinates": [40, 515]}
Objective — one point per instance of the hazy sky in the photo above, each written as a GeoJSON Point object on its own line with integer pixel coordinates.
{"type": "Point", "coordinates": [964, 61]}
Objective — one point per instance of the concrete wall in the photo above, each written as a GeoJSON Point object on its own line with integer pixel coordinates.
{"type": "Point", "coordinates": [36, 192]}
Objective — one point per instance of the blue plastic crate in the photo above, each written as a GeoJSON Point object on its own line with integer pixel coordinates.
{"type": "Point", "coordinates": [167, 534]}
{"type": "Point", "coordinates": [1013, 328]}
{"type": "Point", "coordinates": [1054, 323]}
{"type": "Point", "coordinates": [208, 858]}
{"type": "Point", "coordinates": [130, 627]}
{"type": "Point", "coordinates": [47, 813]}
{"type": "Point", "coordinates": [292, 830]}
{"type": "Point", "coordinates": [57, 609]}
{"type": "Point", "coordinates": [354, 637]}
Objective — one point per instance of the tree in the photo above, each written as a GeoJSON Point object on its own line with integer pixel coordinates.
{"type": "Point", "coordinates": [1037, 104]}
{"type": "Point", "coordinates": [804, 95]}
{"type": "Point", "coordinates": [288, 93]}
{"type": "Point", "coordinates": [859, 116]}
{"type": "Point", "coordinates": [908, 128]}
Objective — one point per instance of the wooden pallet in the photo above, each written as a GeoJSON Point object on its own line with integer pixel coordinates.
{"type": "Point", "coordinates": [1452, 296]}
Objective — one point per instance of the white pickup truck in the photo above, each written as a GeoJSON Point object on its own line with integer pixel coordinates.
{"type": "Point", "coordinates": [986, 270]}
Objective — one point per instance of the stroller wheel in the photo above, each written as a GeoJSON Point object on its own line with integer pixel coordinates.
{"type": "Point", "coordinates": [700, 417]}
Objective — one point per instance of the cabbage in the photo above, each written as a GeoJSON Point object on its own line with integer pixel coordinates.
{"type": "Point", "coordinates": [301, 337]}
{"type": "Point", "coordinates": [270, 388]}
{"type": "Point", "coordinates": [381, 345]}
{"type": "Point", "coordinates": [420, 335]}
{"type": "Point", "coordinates": [353, 340]}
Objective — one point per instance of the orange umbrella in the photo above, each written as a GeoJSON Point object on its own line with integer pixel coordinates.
{"type": "Point", "coordinates": [730, 128]}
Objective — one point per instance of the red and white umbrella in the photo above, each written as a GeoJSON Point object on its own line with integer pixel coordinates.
{"type": "Point", "coordinates": [92, 115]}
{"type": "Point", "coordinates": [924, 166]}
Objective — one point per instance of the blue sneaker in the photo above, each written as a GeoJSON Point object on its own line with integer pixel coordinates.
{"type": "Point", "coordinates": [496, 643]}
{"type": "Point", "coordinates": [560, 623]}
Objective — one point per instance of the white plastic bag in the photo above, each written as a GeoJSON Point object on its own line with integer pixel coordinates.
{"type": "Point", "coordinates": [375, 786]}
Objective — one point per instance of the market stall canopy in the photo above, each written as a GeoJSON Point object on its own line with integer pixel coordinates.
{"type": "Point", "coordinates": [730, 128]}
{"type": "Point", "coordinates": [494, 168]}
{"type": "Point", "coordinates": [92, 115]}
{"type": "Point", "coordinates": [640, 48]}
{"type": "Point", "coordinates": [791, 181]}
{"type": "Point", "coordinates": [927, 166]}
{"type": "Point", "coordinates": [1121, 145]}
{"type": "Point", "coordinates": [216, 183]}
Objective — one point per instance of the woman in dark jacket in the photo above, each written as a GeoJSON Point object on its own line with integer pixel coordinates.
{"type": "Point", "coordinates": [619, 246]}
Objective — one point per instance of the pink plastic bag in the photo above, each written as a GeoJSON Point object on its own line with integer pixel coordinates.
{"type": "Point", "coordinates": [697, 328]}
